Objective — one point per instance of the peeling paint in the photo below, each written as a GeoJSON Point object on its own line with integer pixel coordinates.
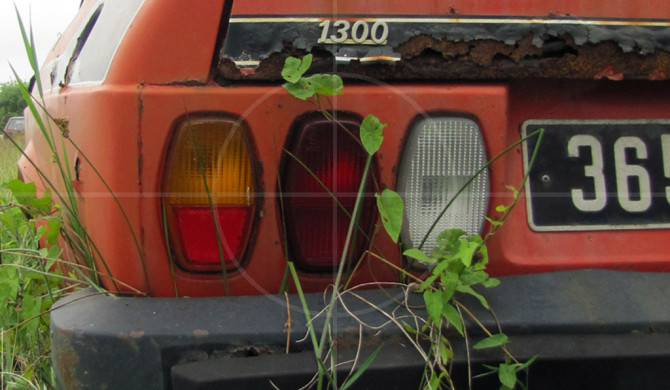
{"type": "Point", "coordinates": [458, 48]}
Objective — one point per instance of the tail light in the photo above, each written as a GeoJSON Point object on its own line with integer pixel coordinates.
{"type": "Point", "coordinates": [209, 193]}
{"type": "Point", "coordinates": [440, 156]}
{"type": "Point", "coordinates": [316, 227]}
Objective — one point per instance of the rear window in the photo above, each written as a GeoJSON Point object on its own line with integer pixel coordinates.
{"type": "Point", "coordinates": [14, 124]}
{"type": "Point", "coordinates": [447, 46]}
{"type": "Point", "coordinates": [89, 55]}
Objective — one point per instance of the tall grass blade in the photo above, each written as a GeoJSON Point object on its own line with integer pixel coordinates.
{"type": "Point", "coordinates": [353, 378]}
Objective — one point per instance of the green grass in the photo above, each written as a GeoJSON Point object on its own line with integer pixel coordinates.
{"type": "Point", "coordinates": [9, 155]}
{"type": "Point", "coordinates": [28, 287]}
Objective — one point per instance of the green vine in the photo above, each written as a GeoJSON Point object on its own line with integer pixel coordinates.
{"type": "Point", "coordinates": [457, 266]}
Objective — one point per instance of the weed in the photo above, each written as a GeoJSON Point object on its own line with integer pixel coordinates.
{"type": "Point", "coordinates": [9, 155]}
{"type": "Point", "coordinates": [457, 266]}
{"type": "Point", "coordinates": [29, 285]}
{"type": "Point", "coordinates": [33, 228]}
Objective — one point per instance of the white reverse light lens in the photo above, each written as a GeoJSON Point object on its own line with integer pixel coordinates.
{"type": "Point", "coordinates": [441, 155]}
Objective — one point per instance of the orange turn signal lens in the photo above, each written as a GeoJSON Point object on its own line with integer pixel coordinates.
{"type": "Point", "coordinates": [208, 193]}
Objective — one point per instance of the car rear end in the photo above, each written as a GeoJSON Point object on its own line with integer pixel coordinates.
{"type": "Point", "coordinates": [185, 119]}
{"type": "Point", "coordinates": [14, 125]}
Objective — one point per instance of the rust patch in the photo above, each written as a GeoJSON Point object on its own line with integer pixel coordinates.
{"type": "Point", "coordinates": [427, 58]}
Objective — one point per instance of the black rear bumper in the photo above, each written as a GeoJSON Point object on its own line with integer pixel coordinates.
{"type": "Point", "coordinates": [590, 329]}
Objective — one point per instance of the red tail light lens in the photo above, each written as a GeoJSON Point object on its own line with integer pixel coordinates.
{"type": "Point", "coordinates": [200, 243]}
{"type": "Point", "coordinates": [208, 193]}
{"type": "Point", "coordinates": [316, 227]}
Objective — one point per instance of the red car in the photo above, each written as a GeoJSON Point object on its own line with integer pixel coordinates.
{"type": "Point", "coordinates": [179, 107]}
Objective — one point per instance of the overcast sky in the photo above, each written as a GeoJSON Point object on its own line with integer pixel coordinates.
{"type": "Point", "coordinates": [49, 19]}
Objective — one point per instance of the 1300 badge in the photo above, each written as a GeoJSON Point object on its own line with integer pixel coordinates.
{"type": "Point", "coordinates": [359, 32]}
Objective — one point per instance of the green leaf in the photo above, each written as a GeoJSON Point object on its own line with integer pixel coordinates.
{"type": "Point", "coordinates": [434, 382]}
{"type": "Point", "coordinates": [434, 303]}
{"type": "Point", "coordinates": [482, 255]}
{"type": "Point", "coordinates": [468, 290]}
{"type": "Point", "coordinates": [418, 254]}
{"type": "Point", "coordinates": [491, 282]}
{"type": "Point", "coordinates": [437, 271]}
{"type": "Point", "coordinates": [528, 363]}
{"type": "Point", "coordinates": [493, 341]}
{"type": "Point", "coordinates": [390, 207]}
{"type": "Point", "coordinates": [470, 277]}
{"type": "Point", "coordinates": [294, 68]}
{"type": "Point", "coordinates": [9, 284]}
{"type": "Point", "coordinates": [30, 309]}
{"type": "Point", "coordinates": [467, 249]}
{"type": "Point", "coordinates": [7, 221]}
{"type": "Point", "coordinates": [493, 222]}
{"type": "Point", "coordinates": [446, 353]}
{"type": "Point", "coordinates": [371, 133]}
{"type": "Point", "coordinates": [449, 284]}
{"type": "Point", "coordinates": [325, 84]}
{"type": "Point", "coordinates": [54, 231]}
{"type": "Point", "coordinates": [454, 317]}
{"type": "Point", "coordinates": [501, 208]}
{"type": "Point", "coordinates": [301, 90]}
{"type": "Point", "coordinates": [350, 381]}
{"type": "Point", "coordinates": [25, 194]}
{"type": "Point", "coordinates": [448, 240]}
{"type": "Point", "coordinates": [507, 375]}
{"type": "Point", "coordinates": [54, 252]}
{"type": "Point", "coordinates": [491, 370]}
{"type": "Point", "coordinates": [515, 192]}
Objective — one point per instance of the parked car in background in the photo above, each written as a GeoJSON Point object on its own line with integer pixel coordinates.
{"type": "Point", "coordinates": [14, 125]}
{"type": "Point", "coordinates": [179, 107]}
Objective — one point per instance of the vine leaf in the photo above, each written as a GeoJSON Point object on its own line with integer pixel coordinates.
{"type": "Point", "coordinates": [493, 341]}
{"type": "Point", "coordinates": [418, 254]}
{"type": "Point", "coordinates": [390, 207]}
{"type": "Point", "coordinates": [325, 84]}
{"type": "Point", "coordinates": [53, 233]}
{"type": "Point", "coordinates": [25, 194]}
{"type": "Point", "coordinates": [507, 375]}
{"type": "Point", "coordinates": [294, 68]}
{"type": "Point", "coordinates": [301, 89]}
{"type": "Point", "coordinates": [371, 133]}
{"type": "Point", "coordinates": [434, 304]}
{"type": "Point", "coordinates": [306, 87]}
{"type": "Point", "coordinates": [449, 241]}
{"type": "Point", "coordinates": [454, 317]}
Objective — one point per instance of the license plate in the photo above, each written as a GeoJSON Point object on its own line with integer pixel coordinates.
{"type": "Point", "coordinates": [598, 174]}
